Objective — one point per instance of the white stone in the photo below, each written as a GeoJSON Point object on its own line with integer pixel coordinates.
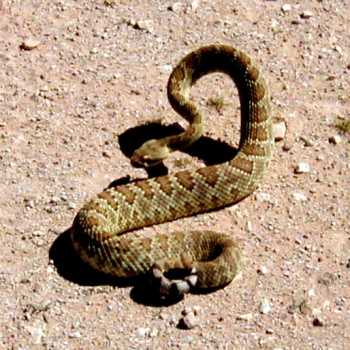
{"type": "Point", "coordinates": [299, 196]}
{"type": "Point", "coordinates": [245, 317]}
{"type": "Point", "coordinates": [143, 332]}
{"type": "Point", "coordinates": [263, 270]}
{"type": "Point", "coordinates": [306, 14]}
{"type": "Point", "coordinates": [265, 306]}
{"type": "Point", "coordinates": [286, 8]}
{"type": "Point", "coordinates": [194, 5]}
{"type": "Point", "coordinates": [30, 44]}
{"type": "Point", "coordinates": [189, 321]}
{"type": "Point", "coordinates": [302, 168]}
{"type": "Point", "coordinates": [279, 130]}
{"type": "Point", "coordinates": [75, 334]}
{"type": "Point", "coordinates": [166, 68]}
{"type": "Point", "coordinates": [311, 292]}
{"type": "Point", "coordinates": [335, 139]}
{"type": "Point", "coordinates": [263, 197]}
{"type": "Point", "coordinates": [176, 7]}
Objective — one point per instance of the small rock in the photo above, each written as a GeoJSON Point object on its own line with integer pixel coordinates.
{"type": "Point", "coordinates": [263, 270]}
{"type": "Point", "coordinates": [189, 321]}
{"type": "Point", "coordinates": [71, 205]}
{"type": "Point", "coordinates": [299, 197]}
{"type": "Point", "coordinates": [307, 142]}
{"type": "Point", "coordinates": [37, 331]}
{"type": "Point", "coordinates": [194, 5]}
{"type": "Point", "coordinates": [38, 233]}
{"type": "Point", "coordinates": [74, 335]}
{"type": "Point", "coordinates": [190, 310]}
{"type": "Point", "coordinates": [55, 200]}
{"type": "Point", "coordinates": [305, 308]}
{"type": "Point", "coordinates": [286, 8]}
{"type": "Point", "coordinates": [143, 332]}
{"type": "Point", "coordinates": [166, 68]}
{"type": "Point", "coordinates": [306, 14]}
{"type": "Point", "coordinates": [279, 130]}
{"type": "Point", "coordinates": [311, 292]}
{"type": "Point", "coordinates": [146, 25]}
{"type": "Point", "coordinates": [29, 204]}
{"type": "Point", "coordinates": [176, 7]}
{"type": "Point", "coordinates": [263, 197]}
{"type": "Point", "coordinates": [154, 332]}
{"type": "Point", "coordinates": [249, 226]}
{"type": "Point", "coordinates": [244, 317]}
{"type": "Point", "coordinates": [296, 21]}
{"type": "Point", "coordinates": [265, 306]}
{"type": "Point", "coordinates": [335, 139]}
{"type": "Point", "coordinates": [106, 154]}
{"type": "Point", "coordinates": [302, 168]}
{"type": "Point", "coordinates": [30, 44]}
{"type": "Point", "coordinates": [318, 321]}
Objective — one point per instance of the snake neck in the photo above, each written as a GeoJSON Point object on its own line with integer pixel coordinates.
{"type": "Point", "coordinates": [256, 125]}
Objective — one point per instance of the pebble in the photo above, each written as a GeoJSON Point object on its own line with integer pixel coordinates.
{"type": "Point", "coordinates": [154, 332]}
{"type": "Point", "coordinates": [166, 68]}
{"type": "Point", "coordinates": [279, 130]}
{"type": "Point", "coordinates": [299, 196]}
{"type": "Point", "coordinates": [318, 321]}
{"type": "Point", "coordinates": [335, 139]}
{"type": "Point", "coordinates": [286, 8]}
{"type": "Point", "coordinates": [249, 226]}
{"type": "Point", "coordinates": [194, 5]}
{"type": "Point", "coordinates": [146, 25]}
{"type": "Point", "coordinates": [307, 142]}
{"type": "Point", "coordinates": [30, 44]}
{"type": "Point", "coordinates": [143, 332]}
{"type": "Point", "coordinates": [74, 335]}
{"type": "Point", "coordinates": [176, 7]}
{"type": "Point", "coordinates": [71, 205]}
{"type": "Point", "coordinates": [245, 317]}
{"type": "Point", "coordinates": [265, 306]}
{"type": "Point", "coordinates": [189, 321]}
{"type": "Point", "coordinates": [106, 154]}
{"type": "Point", "coordinates": [37, 331]}
{"type": "Point", "coordinates": [54, 200]}
{"type": "Point", "coordinates": [29, 204]}
{"type": "Point", "coordinates": [311, 292]}
{"type": "Point", "coordinates": [263, 197]}
{"type": "Point", "coordinates": [306, 14]}
{"type": "Point", "coordinates": [263, 270]}
{"type": "Point", "coordinates": [302, 168]}
{"type": "Point", "coordinates": [38, 233]}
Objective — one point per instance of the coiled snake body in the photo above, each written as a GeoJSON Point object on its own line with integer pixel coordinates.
{"type": "Point", "coordinates": [213, 259]}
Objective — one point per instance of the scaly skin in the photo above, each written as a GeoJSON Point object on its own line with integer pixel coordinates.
{"type": "Point", "coordinates": [214, 258]}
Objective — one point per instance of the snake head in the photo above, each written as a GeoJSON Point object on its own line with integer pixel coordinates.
{"type": "Point", "coordinates": [150, 154]}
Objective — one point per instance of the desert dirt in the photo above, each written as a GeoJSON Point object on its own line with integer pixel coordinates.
{"type": "Point", "coordinates": [76, 76]}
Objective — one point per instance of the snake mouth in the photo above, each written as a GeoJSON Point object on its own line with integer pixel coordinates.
{"type": "Point", "coordinates": [143, 161]}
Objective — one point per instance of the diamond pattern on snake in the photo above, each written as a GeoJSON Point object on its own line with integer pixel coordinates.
{"type": "Point", "coordinates": [100, 231]}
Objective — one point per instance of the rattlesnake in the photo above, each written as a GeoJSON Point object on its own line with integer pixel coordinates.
{"type": "Point", "coordinates": [212, 259]}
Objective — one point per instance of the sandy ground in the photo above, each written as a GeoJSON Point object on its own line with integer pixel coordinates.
{"type": "Point", "coordinates": [100, 68]}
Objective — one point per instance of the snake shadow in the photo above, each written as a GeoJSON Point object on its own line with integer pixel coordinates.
{"type": "Point", "coordinates": [72, 268]}
{"type": "Point", "coordinates": [210, 151]}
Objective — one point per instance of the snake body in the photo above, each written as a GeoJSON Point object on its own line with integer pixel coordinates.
{"type": "Point", "coordinates": [99, 231]}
